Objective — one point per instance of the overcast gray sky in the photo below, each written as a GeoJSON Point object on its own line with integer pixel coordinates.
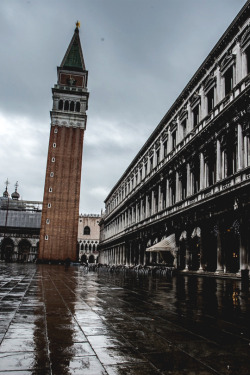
{"type": "Point", "coordinates": [139, 53]}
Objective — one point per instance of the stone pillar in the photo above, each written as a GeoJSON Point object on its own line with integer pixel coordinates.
{"type": "Point", "coordinates": [223, 165]}
{"type": "Point", "coordinates": [202, 171]}
{"type": "Point", "coordinates": [246, 151]}
{"type": "Point", "coordinates": [141, 210]}
{"type": "Point", "coordinates": [238, 67]}
{"type": "Point", "coordinates": [187, 256]}
{"type": "Point", "coordinates": [218, 161]}
{"type": "Point", "coordinates": [177, 187]}
{"type": "Point", "coordinates": [188, 180]}
{"type": "Point", "coordinates": [243, 247]}
{"type": "Point", "coordinates": [153, 202]}
{"type": "Point", "coordinates": [167, 193]}
{"type": "Point", "coordinates": [201, 267]}
{"type": "Point", "coordinates": [244, 64]}
{"type": "Point", "coordinates": [160, 198]}
{"type": "Point", "coordinates": [220, 265]}
{"type": "Point", "coordinates": [240, 158]}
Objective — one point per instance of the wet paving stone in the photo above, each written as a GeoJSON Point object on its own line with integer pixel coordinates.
{"type": "Point", "coordinates": [60, 322]}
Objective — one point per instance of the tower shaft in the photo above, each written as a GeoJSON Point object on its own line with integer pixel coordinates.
{"type": "Point", "coordinates": [59, 224]}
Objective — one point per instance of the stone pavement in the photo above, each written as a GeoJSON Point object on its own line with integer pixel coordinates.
{"type": "Point", "coordinates": [56, 320]}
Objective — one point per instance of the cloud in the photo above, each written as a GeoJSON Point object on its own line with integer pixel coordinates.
{"type": "Point", "coordinates": [139, 54]}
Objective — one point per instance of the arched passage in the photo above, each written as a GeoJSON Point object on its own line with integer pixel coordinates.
{"type": "Point", "coordinates": [24, 247]}
{"type": "Point", "coordinates": [7, 249]}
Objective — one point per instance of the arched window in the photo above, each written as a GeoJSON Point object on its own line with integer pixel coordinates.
{"type": "Point", "coordinates": [77, 106]}
{"type": "Point", "coordinates": [66, 105]}
{"type": "Point", "coordinates": [60, 106]}
{"type": "Point", "coordinates": [72, 106]}
{"type": "Point", "coordinates": [86, 230]}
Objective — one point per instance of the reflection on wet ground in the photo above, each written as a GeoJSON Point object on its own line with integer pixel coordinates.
{"type": "Point", "coordinates": [65, 321]}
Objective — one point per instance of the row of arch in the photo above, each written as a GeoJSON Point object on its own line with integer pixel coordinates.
{"type": "Point", "coordinates": [217, 246]}
{"type": "Point", "coordinates": [88, 246]}
{"type": "Point", "coordinates": [67, 105]}
{"type": "Point", "coordinates": [88, 258]}
{"type": "Point", "coordinates": [23, 251]}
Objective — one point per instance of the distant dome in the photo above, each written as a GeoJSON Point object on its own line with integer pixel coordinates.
{"type": "Point", "coordinates": [5, 193]}
{"type": "Point", "coordinates": [15, 195]}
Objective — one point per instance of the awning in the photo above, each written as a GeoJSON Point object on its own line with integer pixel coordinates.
{"type": "Point", "coordinates": [183, 236]}
{"type": "Point", "coordinates": [196, 232]}
{"type": "Point", "coordinates": [168, 244]}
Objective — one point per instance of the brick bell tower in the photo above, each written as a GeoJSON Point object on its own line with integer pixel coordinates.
{"type": "Point", "coordinates": [59, 224]}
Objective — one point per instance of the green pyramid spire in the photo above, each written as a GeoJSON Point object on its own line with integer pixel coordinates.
{"type": "Point", "coordinates": [74, 57]}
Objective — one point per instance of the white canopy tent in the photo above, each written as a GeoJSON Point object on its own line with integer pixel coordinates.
{"type": "Point", "coordinates": [167, 244]}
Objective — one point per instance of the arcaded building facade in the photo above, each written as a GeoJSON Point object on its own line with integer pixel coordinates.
{"type": "Point", "coordinates": [19, 228]}
{"type": "Point", "coordinates": [88, 237]}
{"type": "Point", "coordinates": [192, 176]}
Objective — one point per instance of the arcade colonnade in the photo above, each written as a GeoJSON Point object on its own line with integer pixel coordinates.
{"type": "Point", "coordinates": [192, 176]}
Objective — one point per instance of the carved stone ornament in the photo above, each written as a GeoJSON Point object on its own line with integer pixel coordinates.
{"type": "Point", "coordinates": [173, 126]}
{"type": "Point", "coordinates": [245, 40]}
{"type": "Point", "coordinates": [196, 98]}
{"type": "Point", "coordinates": [183, 113]}
{"type": "Point", "coordinates": [228, 61]}
{"type": "Point", "coordinates": [209, 83]}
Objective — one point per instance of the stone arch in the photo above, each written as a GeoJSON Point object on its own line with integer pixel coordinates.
{"type": "Point", "coordinates": [60, 105]}
{"type": "Point", "coordinates": [83, 258]}
{"type": "Point", "coordinates": [77, 106]}
{"type": "Point", "coordinates": [91, 259]}
{"type": "Point", "coordinates": [66, 105]}
{"type": "Point", "coordinates": [7, 249]}
{"type": "Point", "coordinates": [72, 106]}
{"type": "Point", "coordinates": [24, 248]}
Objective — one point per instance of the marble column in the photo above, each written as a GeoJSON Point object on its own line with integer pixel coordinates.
{"type": "Point", "coordinates": [218, 161]}
{"type": "Point", "coordinates": [167, 193]}
{"type": "Point", "coordinates": [220, 265]}
{"type": "Point", "coordinates": [188, 180]}
{"type": "Point", "coordinates": [240, 149]}
{"type": "Point", "coordinates": [202, 171]}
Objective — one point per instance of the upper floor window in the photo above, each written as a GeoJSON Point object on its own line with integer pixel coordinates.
{"type": "Point", "coordinates": [86, 230]}
{"type": "Point", "coordinates": [195, 105]}
{"type": "Point", "coordinates": [227, 70]}
{"type": "Point", "coordinates": [146, 168]}
{"type": "Point", "coordinates": [196, 115]}
{"type": "Point", "coordinates": [228, 77]}
{"type": "Point", "coordinates": [210, 100]}
{"type": "Point", "coordinates": [151, 163]}
{"type": "Point", "coordinates": [247, 52]}
{"type": "Point", "coordinates": [245, 47]}
{"type": "Point", "coordinates": [173, 139]}
{"type": "Point", "coordinates": [184, 128]}
{"type": "Point", "coordinates": [165, 148]}
{"type": "Point", "coordinates": [157, 157]}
